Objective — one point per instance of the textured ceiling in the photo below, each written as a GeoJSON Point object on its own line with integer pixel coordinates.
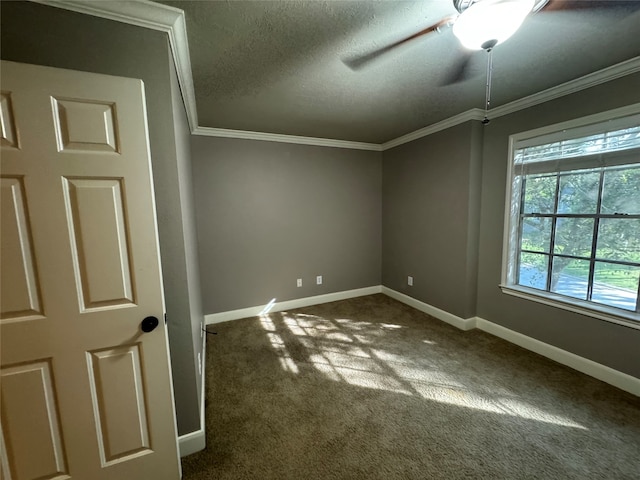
{"type": "Point", "coordinates": [276, 66]}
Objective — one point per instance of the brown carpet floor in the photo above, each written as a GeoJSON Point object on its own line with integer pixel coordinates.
{"type": "Point", "coordinates": [369, 388]}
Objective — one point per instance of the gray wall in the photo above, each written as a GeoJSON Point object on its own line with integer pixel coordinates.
{"type": "Point", "coordinates": [431, 198]}
{"type": "Point", "coordinates": [37, 34]}
{"type": "Point", "coordinates": [186, 336]}
{"type": "Point", "coordinates": [269, 213]}
{"type": "Point", "coordinates": [610, 344]}
{"type": "Point", "coordinates": [443, 220]}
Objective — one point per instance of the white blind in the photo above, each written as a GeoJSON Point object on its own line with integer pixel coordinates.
{"type": "Point", "coordinates": [597, 144]}
{"type": "Point", "coordinates": [611, 143]}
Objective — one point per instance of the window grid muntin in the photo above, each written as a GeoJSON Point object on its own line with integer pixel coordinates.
{"type": "Point", "coordinates": [554, 228]}
{"type": "Point", "coordinates": [554, 218]}
{"type": "Point", "coordinates": [594, 239]}
{"type": "Point", "coordinates": [577, 257]}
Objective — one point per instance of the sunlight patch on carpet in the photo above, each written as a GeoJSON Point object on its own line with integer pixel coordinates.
{"type": "Point", "coordinates": [283, 353]}
{"type": "Point", "coordinates": [341, 351]}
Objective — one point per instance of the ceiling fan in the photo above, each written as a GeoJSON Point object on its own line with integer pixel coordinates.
{"type": "Point", "coordinates": [478, 25]}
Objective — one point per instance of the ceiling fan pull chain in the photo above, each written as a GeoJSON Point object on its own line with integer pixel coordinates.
{"type": "Point", "coordinates": [488, 91]}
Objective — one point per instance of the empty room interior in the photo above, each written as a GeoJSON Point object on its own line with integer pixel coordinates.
{"type": "Point", "coordinates": [386, 251]}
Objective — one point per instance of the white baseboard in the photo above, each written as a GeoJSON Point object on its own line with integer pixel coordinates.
{"type": "Point", "coordinates": [289, 304]}
{"type": "Point", "coordinates": [451, 319]}
{"type": "Point", "coordinates": [193, 442]}
{"type": "Point", "coordinates": [606, 374]}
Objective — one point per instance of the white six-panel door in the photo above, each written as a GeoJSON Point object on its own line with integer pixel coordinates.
{"type": "Point", "coordinates": [85, 393]}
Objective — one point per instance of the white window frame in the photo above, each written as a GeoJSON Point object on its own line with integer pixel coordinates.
{"type": "Point", "coordinates": [584, 126]}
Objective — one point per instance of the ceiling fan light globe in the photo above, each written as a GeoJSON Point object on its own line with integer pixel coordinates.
{"type": "Point", "coordinates": [490, 22]}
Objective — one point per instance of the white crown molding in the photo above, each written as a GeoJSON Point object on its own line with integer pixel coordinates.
{"type": "Point", "coordinates": [154, 16]}
{"type": "Point", "coordinates": [622, 69]}
{"type": "Point", "coordinates": [180, 48]}
{"type": "Point", "coordinates": [141, 13]}
{"type": "Point", "coordinates": [276, 137]}
{"type": "Point", "coordinates": [473, 114]}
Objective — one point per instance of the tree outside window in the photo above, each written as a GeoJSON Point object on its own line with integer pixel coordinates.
{"type": "Point", "coordinates": [575, 227]}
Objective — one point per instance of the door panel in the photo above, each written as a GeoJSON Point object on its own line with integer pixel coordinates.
{"type": "Point", "coordinates": [86, 394]}
{"type": "Point", "coordinates": [7, 122]}
{"type": "Point", "coordinates": [121, 418]}
{"type": "Point", "coordinates": [20, 293]}
{"type": "Point", "coordinates": [97, 226]}
{"type": "Point", "coordinates": [85, 126]}
{"type": "Point", "coordinates": [30, 423]}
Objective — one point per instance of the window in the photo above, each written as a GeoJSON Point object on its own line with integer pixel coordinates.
{"type": "Point", "coordinates": [572, 234]}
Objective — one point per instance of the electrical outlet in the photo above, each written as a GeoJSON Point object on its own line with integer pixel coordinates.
{"type": "Point", "coordinates": [319, 280]}
{"type": "Point", "coordinates": [299, 282]}
{"type": "Point", "coordinates": [410, 281]}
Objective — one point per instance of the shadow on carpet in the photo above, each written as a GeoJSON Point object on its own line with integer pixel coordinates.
{"type": "Point", "coordinates": [369, 388]}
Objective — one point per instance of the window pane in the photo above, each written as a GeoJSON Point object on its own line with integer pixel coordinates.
{"type": "Point", "coordinates": [574, 236]}
{"type": "Point", "coordinates": [621, 192]}
{"type": "Point", "coordinates": [570, 277]}
{"type": "Point", "coordinates": [540, 194]}
{"type": "Point", "coordinates": [536, 234]}
{"type": "Point", "coordinates": [616, 285]}
{"type": "Point", "coordinates": [619, 239]}
{"type": "Point", "coordinates": [579, 192]}
{"type": "Point", "coordinates": [533, 270]}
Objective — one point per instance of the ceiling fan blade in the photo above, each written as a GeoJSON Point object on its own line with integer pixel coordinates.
{"type": "Point", "coordinates": [459, 71]}
{"type": "Point", "coordinates": [565, 5]}
{"type": "Point", "coordinates": [359, 61]}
